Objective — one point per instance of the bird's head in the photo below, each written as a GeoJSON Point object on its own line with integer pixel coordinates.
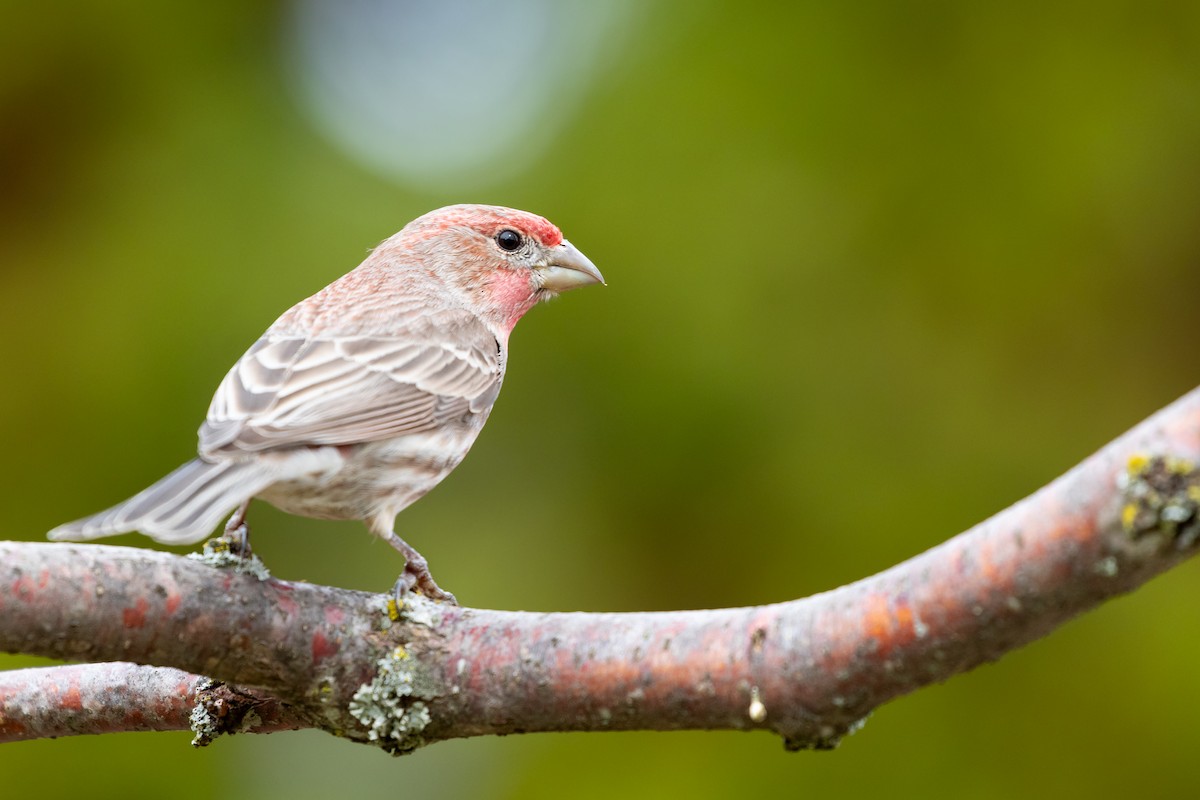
{"type": "Point", "coordinates": [502, 261]}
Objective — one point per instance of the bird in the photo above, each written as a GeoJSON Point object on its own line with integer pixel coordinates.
{"type": "Point", "coordinates": [360, 399]}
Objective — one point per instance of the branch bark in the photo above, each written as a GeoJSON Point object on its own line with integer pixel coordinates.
{"type": "Point", "coordinates": [809, 670]}
{"type": "Point", "coordinates": [49, 702]}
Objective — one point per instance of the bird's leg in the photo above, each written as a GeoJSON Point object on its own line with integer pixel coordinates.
{"type": "Point", "coordinates": [237, 532]}
{"type": "Point", "coordinates": [416, 571]}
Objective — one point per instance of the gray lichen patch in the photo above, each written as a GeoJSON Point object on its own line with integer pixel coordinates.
{"type": "Point", "coordinates": [217, 553]}
{"type": "Point", "coordinates": [1161, 495]}
{"type": "Point", "coordinates": [390, 707]}
{"type": "Point", "coordinates": [417, 609]}
{"type": "Point", "coordinates": [206, 726]}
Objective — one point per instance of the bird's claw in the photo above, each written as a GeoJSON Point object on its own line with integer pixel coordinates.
{"type": "Point", "coordinates": [414, 579]}
{"type": "Point", "coordinates": [237, 539]}
{"type": "Point", "coordinates": [231, 550]}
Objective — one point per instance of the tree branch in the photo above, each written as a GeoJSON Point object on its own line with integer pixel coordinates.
{"type": "Point", "coordinates": [49, 702]}
{"type": "Point", "coordinates": [808, 669]}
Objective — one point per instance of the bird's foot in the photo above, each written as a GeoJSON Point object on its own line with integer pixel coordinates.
{"type": "Point", "coordinates": [237, 539]}
{"type": "Point", "coordinates": [416, 575]}
{"type": "Point", "coordinates": [416, 578]}
{"type": "Point", "coordinates": [231, 550]}
{"type": "Point", "coordinates": [234, 543]}
{"type": "Point", "coordinates": [419, 580]}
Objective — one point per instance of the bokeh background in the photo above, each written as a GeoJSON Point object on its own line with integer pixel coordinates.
{"type": "Point", "coordinates": [876, 270]}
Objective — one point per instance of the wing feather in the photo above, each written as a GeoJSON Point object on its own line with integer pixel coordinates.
{"type": "Point", "coordinates": [289, 391]}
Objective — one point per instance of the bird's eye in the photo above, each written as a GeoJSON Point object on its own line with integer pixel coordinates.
{"type": "Point", "coordinates": [509, 240]}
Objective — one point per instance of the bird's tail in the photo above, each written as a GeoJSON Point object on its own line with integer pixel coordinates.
{"type": "Point", "coordinates": [181, 508]}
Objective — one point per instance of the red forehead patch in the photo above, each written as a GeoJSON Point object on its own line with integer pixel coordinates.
{"type": "Point", "coordinates": [542, 229]}
{"type": "Point", "coordinates": [491, 220]}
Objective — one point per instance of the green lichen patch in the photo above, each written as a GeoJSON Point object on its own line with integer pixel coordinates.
{"type": "Point", "coordinates": [1161, 494]}
{"type": "Point", "coordinates": [391, 706]}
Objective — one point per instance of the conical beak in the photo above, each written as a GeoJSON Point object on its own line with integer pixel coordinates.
{"type": "Point", "coordinates": [568, 269]}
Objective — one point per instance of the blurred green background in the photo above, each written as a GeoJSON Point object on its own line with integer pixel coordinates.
{"type": "Point", "coordinates": [876, 270]}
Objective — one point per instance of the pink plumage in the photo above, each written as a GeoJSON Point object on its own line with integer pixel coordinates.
{"type": "Point", "coordinates": [363, 397]}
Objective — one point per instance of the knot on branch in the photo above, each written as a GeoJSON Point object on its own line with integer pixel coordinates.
{"type": "Point", "coordinates": [1162, 495]}
{"type": "Point", "coordinates": [221, 708]}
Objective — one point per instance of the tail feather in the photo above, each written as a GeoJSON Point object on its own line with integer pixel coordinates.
{"type": "Point", "coordinates": [181, 508]}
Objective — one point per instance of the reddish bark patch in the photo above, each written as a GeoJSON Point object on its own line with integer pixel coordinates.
{"type": "Point", "coordinates": [135, 617]}
{"type": "Point", "coordinates": [11, 730]}
{"type": "Point", "coordinates": [72, 699]}
{"type": "Point", "coordinates": [322, 648]}
{"type": "Point", "coordinates": [889, 621]}
{"type": "Point", "coordinates": [23, 589]}
{"type": "Point", "coordinates": [284, 601]}
{"type": "Point", "coordinates": [173, 601]}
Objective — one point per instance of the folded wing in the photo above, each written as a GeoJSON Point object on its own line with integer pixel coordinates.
{"type": "Point", "coordinates": [289, 391]}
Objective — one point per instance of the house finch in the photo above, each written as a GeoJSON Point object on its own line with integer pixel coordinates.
{"type": "Point", "coordinates": [360, 399]}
